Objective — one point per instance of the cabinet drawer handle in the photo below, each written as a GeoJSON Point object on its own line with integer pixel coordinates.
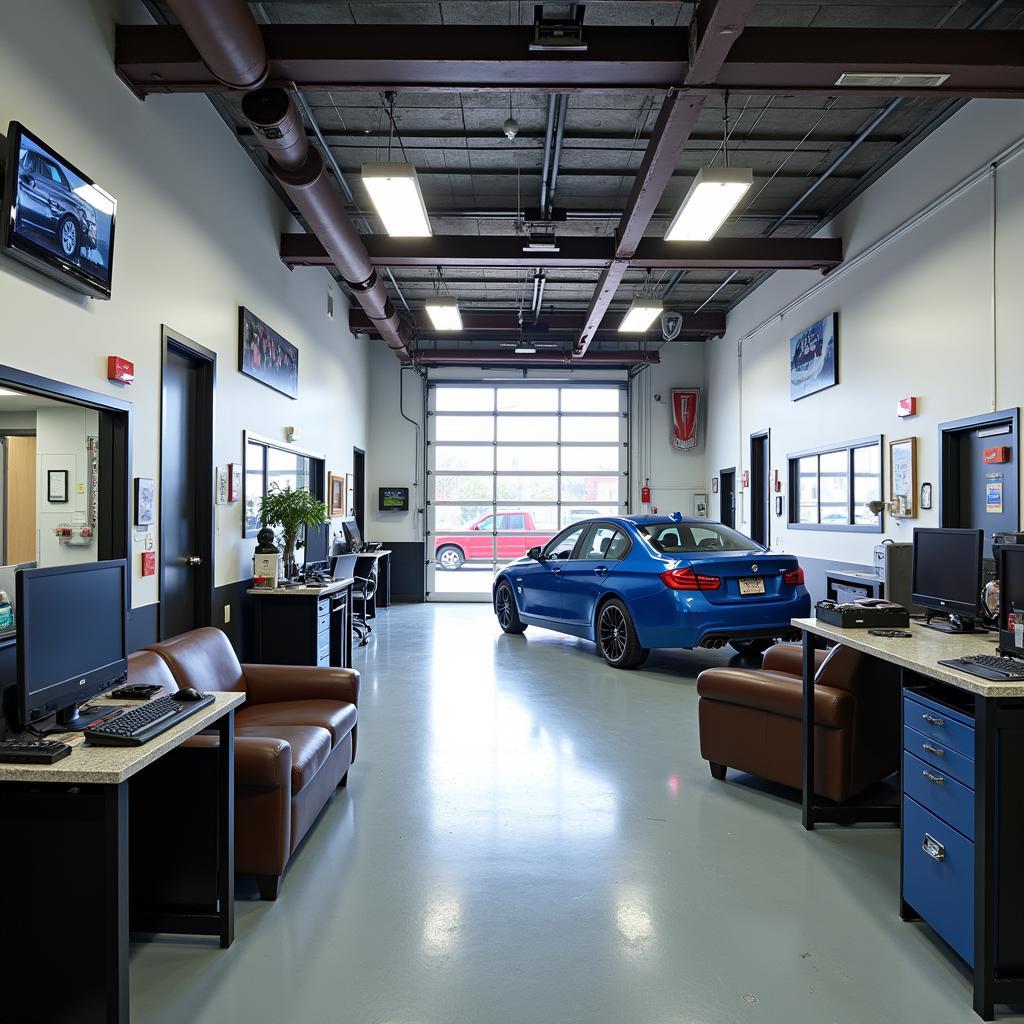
{"type": "Point", "coordinates": [932, 720]}
{"type": "Point", "coordinates": [933, 848]}
{"type": "Point", "coordinates": [933, 750]}
{"type": "Point", "coordinates": [937, 779]}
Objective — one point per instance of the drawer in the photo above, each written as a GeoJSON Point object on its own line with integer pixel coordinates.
{"type": "Point", "coordinates": [946, 759]}
{"type": "Point", "coordinates": [323, 661]}
{"type": "Point", "coordinates": [323, 646]}
{"type": "Point", "coordinates": [940, 724]}
{"type": "Point", "coordinates": [939, 793]}
{"type": "Point", "coordinates": [323, 620]}
{"type": "Point", "coordinates": [939, 885]}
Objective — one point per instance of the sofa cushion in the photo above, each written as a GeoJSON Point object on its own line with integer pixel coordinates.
{"type": "Point", "coordinates": [310, 747]}
{"type": "Point", "coordinates": [203, 658]}
{"type": "Point", "coordinates": [336, 717]}
{"type": "Point", "coordinates": [776, 693]}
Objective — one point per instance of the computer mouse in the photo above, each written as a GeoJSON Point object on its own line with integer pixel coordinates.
{"type": "Point", "coordinates": [187, 696]}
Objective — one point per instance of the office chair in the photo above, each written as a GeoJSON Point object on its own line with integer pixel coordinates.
{"type": "Point", "coordinates": [365, 588]}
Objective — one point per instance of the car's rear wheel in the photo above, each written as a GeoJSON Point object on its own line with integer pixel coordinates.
{"type": "Point", "coordinates": [506, 610]}
{"type": "Point", "coordinates": [69, 237]}
{"type": "Point", "coordinates": [617, 639]}
{"type": "Point", "coordinates": [752, 646]}
{"type": "Point", "coordinates": [450, 557]}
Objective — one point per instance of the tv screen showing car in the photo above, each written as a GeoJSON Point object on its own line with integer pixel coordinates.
{"type": "Point", "coordinates": [55, 218]}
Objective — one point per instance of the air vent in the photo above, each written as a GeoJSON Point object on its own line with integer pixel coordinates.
{"type": "Point", "coordinates": [863, 80]}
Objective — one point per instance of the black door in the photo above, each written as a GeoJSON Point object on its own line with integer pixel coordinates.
{"type": "Point", "coordinates": [727, 496]}
{"type": "Point", "coordinates": [359, 488]}
{"type": "Point", "coordinates": [759, 488]}
{"type": "Point", "coordinates": [186, 486]}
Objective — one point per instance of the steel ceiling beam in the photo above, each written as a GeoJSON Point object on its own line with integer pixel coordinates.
{"type": "Point", "coordinates": [578, 253]}
{"type": "Point", "coordinates": [499, 357]}
{"type": "Point", "coordinates": [465, 58]}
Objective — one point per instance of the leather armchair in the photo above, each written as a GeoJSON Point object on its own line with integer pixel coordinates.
{"type": "Point", "coordinates": [752, 720]}
{"type": "Point", "coordinates": [295, 738]}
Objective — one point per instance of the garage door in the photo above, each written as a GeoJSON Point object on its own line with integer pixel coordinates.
{"type": "Point", "coordinates": [511, 464]}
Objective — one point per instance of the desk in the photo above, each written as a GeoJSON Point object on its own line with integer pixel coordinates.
{"type": "Point", "coordinates": [304, 625]}
{"type": "Point", "coordinates": [382, 598]}
{"type": "Point", "coordinates": [991, 858]}
{"type": "Point", "coordinates": [70, 831]}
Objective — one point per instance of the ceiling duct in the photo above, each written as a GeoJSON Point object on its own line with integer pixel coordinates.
{"type": "Point", "coordinates": [230, 44]}
{"type": "Point", "coordinates": [467, 357]}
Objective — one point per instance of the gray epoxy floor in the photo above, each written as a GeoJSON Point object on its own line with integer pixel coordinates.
{"type": "Point", "coordinates": [529, 837]}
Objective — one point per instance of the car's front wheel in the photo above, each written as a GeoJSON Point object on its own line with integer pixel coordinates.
{"type": "Point", "coordinates": [450, 557]}
{"type": "Point", "coordinates": [506, 610]}
{"type": "Point", "coordinates": [617, 639]}
{"type": "Point", "coordinates": [69, 237]}
{"type": "Point", "coordinates": [751, 646]}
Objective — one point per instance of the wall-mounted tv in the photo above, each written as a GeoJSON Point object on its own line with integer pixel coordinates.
{"type": "Point", "coordinates": [54, 217]}
{"type": "Point", "coordinates": [393, 499]}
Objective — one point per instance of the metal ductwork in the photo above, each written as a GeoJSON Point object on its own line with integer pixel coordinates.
{"type": "Point", "coordinates": [230, 44]}
{"type": "Point", "coordinates": [467, 357]}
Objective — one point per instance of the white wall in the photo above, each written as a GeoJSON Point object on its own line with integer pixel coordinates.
{"type": "Point", "coordinates": [197, 236]}
{"type": "Point", "coordinates": [934, 313]}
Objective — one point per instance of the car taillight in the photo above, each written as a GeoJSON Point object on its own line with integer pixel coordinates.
{"type": "Point", "coordinates": [794, 578]}
{"type": "Point", "coordinates": [687, 579]}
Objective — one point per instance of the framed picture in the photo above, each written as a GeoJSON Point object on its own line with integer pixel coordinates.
{"type": "Point", "coordinates": [145, 496]}
{"type": "Point", "coordinates": [926, 495]}
{"type": "Point", "coordinates": [903, 477]}
{"type": "Point", "coordinates": [814, 358]}
{"type": "Point", "coordinates": [265, 356]}
{"type": "Point", "coordinates": [57, 486]}
{"type": "Point", "coordinates": [336, 494]}
{"type": "Point", "coordinates": [714, 485]}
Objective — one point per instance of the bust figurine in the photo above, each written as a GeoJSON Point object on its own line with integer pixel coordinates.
{"type": "Point", "coordinates": [265, 542]}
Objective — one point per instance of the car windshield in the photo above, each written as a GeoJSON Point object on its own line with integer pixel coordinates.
{"type": "Point", "coordinates": [688, 538]}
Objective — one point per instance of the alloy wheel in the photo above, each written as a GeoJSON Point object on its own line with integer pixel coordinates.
{"type": "Point", "coordinates": [613, 633]}
{"type": "Point", "coordinates": [69, 238]}
{"type": "Point", "coordinates": [504, 607]}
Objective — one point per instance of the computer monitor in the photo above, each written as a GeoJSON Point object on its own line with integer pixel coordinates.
{"type": "Point", "coordinates": [946, 576]}
{"type": "Point", "coordinates": [355, 538]}
{"type": "Point", "coordinates": [1011, 598]}
{"type": "Point", "coordinates": [71, 639]}
{"type": "Point", "coordinates": [317, 543]}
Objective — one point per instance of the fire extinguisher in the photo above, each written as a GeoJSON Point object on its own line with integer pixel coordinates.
{"type": "Point", "coordinates": [645, 494]}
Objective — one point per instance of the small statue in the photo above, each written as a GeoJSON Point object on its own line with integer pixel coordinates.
{"type": "Point", "coordinates": [265, 542]}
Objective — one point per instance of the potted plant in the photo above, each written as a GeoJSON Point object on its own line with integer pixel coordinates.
{"type": "Point", "coordinates": [291, 511]}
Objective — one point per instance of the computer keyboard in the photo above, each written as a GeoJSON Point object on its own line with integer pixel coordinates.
{"type": "Point", "coordinates": [989, 666]}
{"type": "Point", "coordinates": [140, 725]}
{"type": "Point", "coordinates": [32, 751]}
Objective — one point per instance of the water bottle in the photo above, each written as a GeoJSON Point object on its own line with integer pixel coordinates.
{"type": "Point", "coordinates": [6, 612]}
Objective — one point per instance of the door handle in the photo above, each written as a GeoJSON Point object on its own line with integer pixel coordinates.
{"type": "Point", "coordinates": [556, 570]}
{"type": "Point", "coordinates": [601, 570]}
{"type": "Point", "coordinates": [193, 560]}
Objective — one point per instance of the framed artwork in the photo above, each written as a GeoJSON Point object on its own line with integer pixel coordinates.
{"type": "Point", "coordinates": [57, 486]}
{"type": "Point", "coordinates": [265, 356]}
{"type": "Point", "coordinates": [903, 477]}
{"type": "Point", "coordinates": [145, 497]}
{"type": "Point", "coordinates": [714, 485]}
{"type": "Point", "coordinates": [336, 494]}
{"type": "Point", "coordinates": [234, 481]}
{"type": "Point", "coordinates": [814, 358]}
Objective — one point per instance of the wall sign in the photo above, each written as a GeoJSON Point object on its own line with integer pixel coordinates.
{"type": "Point", "coordinates": [145, 495]}
{"type": "Point", "coordinates": [903, 477]}
{"type": "Point", "coordinates": [57, 486]}
{"type": "Point", "coordinates": [700, 506]}
{"type": "Point", "coordinates": [994, 493]}
{"type": "Point", "coordinates": [685, 418]}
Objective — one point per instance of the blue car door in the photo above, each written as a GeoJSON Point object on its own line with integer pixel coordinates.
{"type": "Point", "coordinates": [540, 584]}
{"type": "Point", "coordinates": [585, 577]}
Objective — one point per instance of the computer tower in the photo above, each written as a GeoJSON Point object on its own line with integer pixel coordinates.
{"type": "Point", "coordinates": [893, 563]}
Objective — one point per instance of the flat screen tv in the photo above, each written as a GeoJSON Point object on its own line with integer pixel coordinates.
{"type": "Point", "coordinates": [54, 217]}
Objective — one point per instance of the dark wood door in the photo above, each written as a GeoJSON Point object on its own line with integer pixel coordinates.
{"type": "Point", "coordinates": [186, 488]}
{"type": "Point", "coordinates": [759, 488]}
{"type": "Point", "coordinates": [727, 496]}
{"type": "Point", "coordinates": [359, 488]}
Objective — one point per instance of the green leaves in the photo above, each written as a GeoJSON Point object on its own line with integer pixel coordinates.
{"type": "Point", "coordinates": [291, 510]}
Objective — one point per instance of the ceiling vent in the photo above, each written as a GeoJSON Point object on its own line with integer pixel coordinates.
{"type": "Point", "coordinates": [865, 80]}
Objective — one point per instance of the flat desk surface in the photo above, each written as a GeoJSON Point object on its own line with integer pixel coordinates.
{"type": "Point", "coordinates": [922, 653]}
{"type": "Point", "coordinates": [113, 765]}
{"type": "Point", "coordinates": [301, 591]}
{"type": "Point", "coordinates": [373, 554]}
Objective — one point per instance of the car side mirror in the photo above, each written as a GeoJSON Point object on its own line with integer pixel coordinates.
{"type": "Point", "coordinates": [537, 554]}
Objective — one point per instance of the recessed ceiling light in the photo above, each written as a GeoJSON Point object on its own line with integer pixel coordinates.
{"type": "Point", "coordinates": [396, 195]}
{"type": "Point", "coordinates": [444, 313]}
{"type": "Point", "coordinates": [644, 311]}
{"type": "Point", "coordinates": [712, 197]}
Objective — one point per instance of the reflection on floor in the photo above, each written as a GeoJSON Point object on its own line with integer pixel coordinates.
{"type": "Point", "coordinates": [467, 579]}
{"type": "Point", "coordinates": [530, 837]}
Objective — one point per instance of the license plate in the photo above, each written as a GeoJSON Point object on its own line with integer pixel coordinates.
{"type": "Point", "coordinates": [751, 585]}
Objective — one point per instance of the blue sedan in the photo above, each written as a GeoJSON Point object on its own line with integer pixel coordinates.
{"type": "Point", "coordinates": [631, 583]}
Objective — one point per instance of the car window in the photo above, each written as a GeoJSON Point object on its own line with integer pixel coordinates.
{"type": "Point", "coordinates": [605, 542]}
{"type": "Point", "coordinates": [562, 546]}
{"type": "Point", "coordinates": [618, 547]}
{"type": "Point", "coordinates": [502, 523]}
{"type": "Point", "coordinates": [684, 538]}
{"type": "Point", "coordinates": [53, 172]}
{"type": "Point", "coordinates": [514, 523]}
{"type": "Point", "coordinates": [486, 524]}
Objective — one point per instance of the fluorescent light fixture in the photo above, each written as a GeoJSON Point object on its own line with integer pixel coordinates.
{"type": "Point", "coordinates": [444, 313]}
{"type": "Point", "coordinates": [542, 243]}
{"type": "Point", "coordinates": [712, 197]}
{"type": "Point", "coordinates": [525, 350]}
{"type": "Point", "coordinates": [640, 316]}
{"type": "Point", "coordinates": [396, 195]}
{"type": "Point", "coordinates": [892, 79]}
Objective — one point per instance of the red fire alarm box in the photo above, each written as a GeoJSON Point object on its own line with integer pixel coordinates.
{"type": "Point", "coordinates": [993, 455]}
{"type": "Point", "coordinates": [148, 563]}
{"type": "Point", "coordinates": [119, 370]}
{"type": "Point", "coordinates": [906, 407]}
{"type": "Point", "coordinates": [746, 478]}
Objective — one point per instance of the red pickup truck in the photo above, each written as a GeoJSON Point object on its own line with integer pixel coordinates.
{"type": "Point", "coordinates": [515, 530]}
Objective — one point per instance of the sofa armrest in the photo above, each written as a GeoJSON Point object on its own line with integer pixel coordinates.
{"type": "Point", "coordinates": [263, 761]}
{"type": "Point", "coordinates": [789, 658]}
{"type": "Point", "coordinates": [776, 693]}
{"type": "Point", "coordinates": [268, 684]}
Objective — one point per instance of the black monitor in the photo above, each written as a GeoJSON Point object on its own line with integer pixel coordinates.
{"type": "Point", "coordinates": [1010, 564]}
{"type": "Point", "coordinates": [71, 639]}
{"type": "Point", "coordinates": [352, 534]}
{"type": "Point", "coordinates": [317, 543]}
{"type": "Point", "coordinates": [946, 576]}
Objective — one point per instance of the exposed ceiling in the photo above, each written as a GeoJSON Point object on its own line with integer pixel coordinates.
{"type": "Point", "coordinates": [478, 183]}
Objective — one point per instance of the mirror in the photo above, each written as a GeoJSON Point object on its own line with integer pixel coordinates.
{"type": "Point", "coordinates": [537, 554]}
{"type": "Point", "coordinates": [49, 487]}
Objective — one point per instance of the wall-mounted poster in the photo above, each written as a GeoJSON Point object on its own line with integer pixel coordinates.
{"type": "Point", "coordinates": [685, 418]}
{"type": "Point", "coordinates": [700, 506]}
{"type": "Point", "coordinates": [903, 477]}
{"type": "Point", "coordinates": [145, 497]}
{"type": "Point", "coordinates": [265, 356]}
{"type": "Point", "coordinates": [814, 358]}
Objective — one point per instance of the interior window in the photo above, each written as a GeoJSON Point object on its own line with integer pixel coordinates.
{"type": "Point", "coordinates": [562, 546]}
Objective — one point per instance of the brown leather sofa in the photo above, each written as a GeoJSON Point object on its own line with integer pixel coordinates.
{"type": "Point", "coordinates": [751, 720]}
{"type": "Point", "coordinates": [295, 738]}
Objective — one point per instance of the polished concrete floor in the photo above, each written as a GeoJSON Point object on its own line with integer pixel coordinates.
{"type": "Point", "coordinates": [530, 837]}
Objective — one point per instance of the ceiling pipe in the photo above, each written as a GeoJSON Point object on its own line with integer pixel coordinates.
{"type": "Point", "coordinates": [548, 136]}
{"type": "Point", "coordinates": [563, 108]}
{"type": "Point", "coordinates": [230, 44]}
{"type": "Point", "coordinates": [540, 296]}
{"type": "Point", "coordinates": [467, 357]}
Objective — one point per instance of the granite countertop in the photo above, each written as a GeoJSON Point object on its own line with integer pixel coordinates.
{"type": "Point", "coordinates": [300, 591]}
{"type": "Point", "coordinates": [922, 653]}
{"type": "Point", "coordinates": [113, 765]}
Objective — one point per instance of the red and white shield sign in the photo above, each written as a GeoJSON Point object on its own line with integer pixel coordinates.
{"type": "Point", "coordinates": [685, 419]}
